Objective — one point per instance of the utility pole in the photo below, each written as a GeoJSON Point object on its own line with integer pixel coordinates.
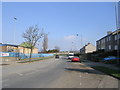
{"type": "Point", "coordinates": [81, 41]}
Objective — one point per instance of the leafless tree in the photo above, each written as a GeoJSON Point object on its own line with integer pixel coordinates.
{"type": "Point", "coordinates": [57, 48]}
{"type": "Point", "coordinates": [45, 42]}
{"type": "Point", "coordinates": [32, 36]}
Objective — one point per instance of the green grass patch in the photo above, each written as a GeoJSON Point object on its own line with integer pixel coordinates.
{"type": "Point", "coordinates": [112, 72]}
{"type": "Point", "coordinates": [34, 59]}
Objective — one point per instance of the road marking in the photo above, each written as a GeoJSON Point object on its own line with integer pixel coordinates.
{"type": "Point", "coordinates": [30, 73]}
{"type": "Point", "coordinates": [80, 83]}
{"type": "Point", "coordinates": [5, 85]}
{"type": "Point", "coordinates": [19, 73]}
{"type": "Point", "coordinates": [4, 80]}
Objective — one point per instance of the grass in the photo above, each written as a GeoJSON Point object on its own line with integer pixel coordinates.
{"type": "Point", "coordinates": [34, 59]}
{"type": "Point", "coordinates": [112, 72]}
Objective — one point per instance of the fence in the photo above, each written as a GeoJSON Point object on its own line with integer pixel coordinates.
{"type": "Point", "coordinates": [23, 56]}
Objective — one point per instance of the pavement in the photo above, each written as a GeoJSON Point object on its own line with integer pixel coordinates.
{"type": "Point", "coordinates": [112, 66]}
{"type": "Point", "coordinates": [55, 73]}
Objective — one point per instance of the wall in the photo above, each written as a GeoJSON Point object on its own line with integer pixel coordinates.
{"type": "Point", "coordinates": [35, 50]}
{"type": "Point", "coordinates": [3, 48]}
{"type": "Point", "coordinates": [90, 48]}
{"type": "Point", "coordinates": [12, 56]}
{"type": "Point", "coordinates": [6, 59]}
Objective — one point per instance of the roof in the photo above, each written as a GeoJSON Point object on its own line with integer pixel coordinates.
{"type": "Point", "coordinates": [14, 45]}
{"type": "Point", "coordinates": [86, 45]}
{"type": "Point", "coordinates": [113, 33]}
{"type": "Point", "coordinates": [8, 45]}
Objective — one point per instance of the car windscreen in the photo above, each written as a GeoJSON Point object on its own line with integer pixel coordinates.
{"type": "Point", "coordinates": [71, 55]}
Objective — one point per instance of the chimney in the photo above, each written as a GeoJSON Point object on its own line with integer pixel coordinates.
{"type": "Point", "coordinates": [109, 32]}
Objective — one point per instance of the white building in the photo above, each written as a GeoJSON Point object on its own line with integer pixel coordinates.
{"type": "Point", "coordinates": [89, 48]}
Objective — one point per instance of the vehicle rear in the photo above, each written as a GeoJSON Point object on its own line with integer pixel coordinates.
{"type": "Point", "coordinates": [75, 59]}
{"type": "Point", "coordinates": [71, 55]}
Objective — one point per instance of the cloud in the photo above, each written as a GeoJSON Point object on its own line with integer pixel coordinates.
{"type": "Point", "coordinates": [70, 37]}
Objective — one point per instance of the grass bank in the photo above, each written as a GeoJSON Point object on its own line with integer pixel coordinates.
{"type": "Point", "coordinates": [34, 59]}
{"type": "Point", "coordinates": [111, 72]}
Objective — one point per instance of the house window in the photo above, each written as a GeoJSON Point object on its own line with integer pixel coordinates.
{"type": "Point", "coordinates": [103, 40]}
{"type": "Point", "coordinates": [109, 47]}
{"type": "Point", "coordinates": [99, 42]}
{"type": "Point", "coordinates": [109, 38]}
{"type": "Point", "coordinates": [115, 37]}
{"type": "Point", "coordinates": [119, 35]}
{"type": "Point", "coordinates": [116, 47]}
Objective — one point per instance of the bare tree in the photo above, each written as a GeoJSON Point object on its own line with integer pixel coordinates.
{"type": "Point", "coordinates": [32, 35]}
{"type": "Point", "coordinates": [57, 48]}
{"type": "Point", "coordinates": [45, 42]}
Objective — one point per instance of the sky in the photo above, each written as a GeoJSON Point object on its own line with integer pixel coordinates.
{"type": "Point", "coordinates": [70, 25]}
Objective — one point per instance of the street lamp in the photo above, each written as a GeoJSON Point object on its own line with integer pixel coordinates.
{"type": "Point", "coordinates": [15, 19]}
{"type": "Point", "coordinates": [116, 14]}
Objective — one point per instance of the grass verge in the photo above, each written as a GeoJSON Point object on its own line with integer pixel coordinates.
{"type": "Point", "coordinates": [111, 72]}
{"type": "Point", "coordinates": [34, 59]}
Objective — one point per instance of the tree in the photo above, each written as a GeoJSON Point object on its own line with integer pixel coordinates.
{"type": "Point", "coordinates": [57, 48]}
{"type": "Point", "coordinates": [53, 51]}
{"type": "Point", "coordinates": [31, 36]}
{"type": "Point", "coordinates": [45, 42]}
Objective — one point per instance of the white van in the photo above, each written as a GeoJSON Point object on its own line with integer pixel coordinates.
{"type": "Point", "coordinates": [70, 55]}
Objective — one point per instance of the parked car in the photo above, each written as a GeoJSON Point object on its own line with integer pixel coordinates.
{"type": "Point", "coordinates": [70, 56]}
{"type": "Point", "coordinates": [110, 59]}
{"type": "Point", "coordinates": [76, 59]}
{"type": "Point", "coordinates": [56, 56]}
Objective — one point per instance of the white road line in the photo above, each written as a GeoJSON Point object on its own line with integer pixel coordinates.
{"type": "Point", "coordinates": [80, 76]}
{"type": "Point", "coordinates": [5, 85]}
{"type": "Point", "coordinates": [30, 73]}
{"type": "Point", "coordinates": [80, 84]}
{"type": "Point", "coordinates": [19, 73]}
{"type": "Point", "coordinates": [4, 80]}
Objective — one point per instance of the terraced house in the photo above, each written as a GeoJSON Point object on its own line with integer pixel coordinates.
{"type": "Point", "coordinates": [109, 42]}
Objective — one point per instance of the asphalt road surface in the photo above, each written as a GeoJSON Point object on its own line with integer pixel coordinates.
{"type": "Point", "coordinates": [55, 73]}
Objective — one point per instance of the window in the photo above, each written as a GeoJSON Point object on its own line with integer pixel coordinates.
{"type": "Point", "coordinates": [109, 38]}
{"type": "Point", "coordinates": [115, 37]}
{"type": "Point", "coordinates": [103, 40]}
{"type": "Point", "coordinates": [116, 47]}
{"type": "Point", "coordinates": [119, 35]}
{"type": "Point", "coordinates": [109, 47]}
{"type": "Point", "coordinates": [98, 42]}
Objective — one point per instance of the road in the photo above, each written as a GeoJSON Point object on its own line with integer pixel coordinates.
{"type": "Point", "coordinates": [55, 73]}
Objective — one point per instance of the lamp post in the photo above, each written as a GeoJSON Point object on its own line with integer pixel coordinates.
{"type": "Point", "coordinates": [116, 14]}
{"type": "Point", "coordinates": [15, 19]}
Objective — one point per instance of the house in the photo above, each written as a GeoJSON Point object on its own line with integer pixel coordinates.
{"type": "Point", "coordinates": [88, 48]}
{"type": "Point", "coordinates": [17, 48]}
{"type": "Point", "coordinates": [109, 42]}
{"type": "Point", "coordinates": [119, 15]}
{"type": "Point", "coordinates": [8, 48]}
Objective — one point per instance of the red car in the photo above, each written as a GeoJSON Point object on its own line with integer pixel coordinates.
{"type": "Point", "coordinates": [76, 59]}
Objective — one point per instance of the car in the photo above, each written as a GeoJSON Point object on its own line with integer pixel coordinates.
{"type": "Point", "coordinates": [110, 58]}
{"type": "Point", "coordinates": [70, 56]}
{"type": "Point", "coordinates": [56, 56]}
{"type": "Point", "coordinates": [76, 59]}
